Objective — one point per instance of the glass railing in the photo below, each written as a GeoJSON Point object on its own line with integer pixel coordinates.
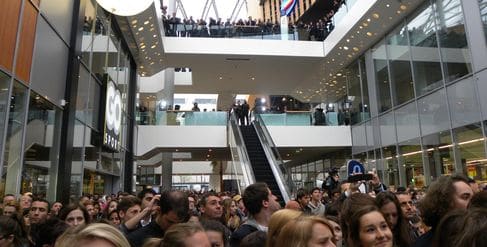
{"type": "Point", "coordinates": [241, 167]}
{"type": "Point", "coordinates": [245, 32]}
{"type": "Point", "coordinates": [281, 174]}
{"type": "Point", "coordinates": [213, 118]}
{"type": "Point", "coordinates": [303, 118]}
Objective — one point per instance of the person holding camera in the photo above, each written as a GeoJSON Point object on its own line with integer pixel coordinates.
{"type": "Point", "coordinates": [331, 182]}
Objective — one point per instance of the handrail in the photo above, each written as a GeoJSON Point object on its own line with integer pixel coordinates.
{"type": "Point", "coordinates": [281, 174]}
{"type": "Point", "coordinates": [242, 154]}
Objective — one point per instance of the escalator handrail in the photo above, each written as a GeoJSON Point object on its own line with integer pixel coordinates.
{"type": "Point", "coordinates": [242, 153]}
{"type": "Point", "coordinates": [274, 158]}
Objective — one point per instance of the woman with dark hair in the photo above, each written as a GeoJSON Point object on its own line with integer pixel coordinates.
{"type": "Point", "coordinates": [390, 207]}
{"type": "Point", "coordinates": [74, 215]}
{"type": "Point", "coordinates": [449, 228]}
{"type": "Point", "coordinates": [369, 228]}
{"type": "Point", "coordinates": [363, 224]}
{"type": "Point", "coordinates": [11, 232]}
{"type": "Point", "coordinates": [475, 229]}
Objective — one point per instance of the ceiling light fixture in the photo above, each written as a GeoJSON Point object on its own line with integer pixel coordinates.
{"type": "Point", "coordinates": [125, 7]}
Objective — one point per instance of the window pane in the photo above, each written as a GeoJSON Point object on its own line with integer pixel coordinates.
{"type": "Point", "coordinates": [439, 153]}
{"type": "Point", "coordinates": [77, 164]}
{"type": "Point", "coordinates": [433, 113]}
{"type": "Point", "coordinates": [12, 166]}
{"type": "Point", "coordinates": [92, 149]}
{"type": "Point", "coordinates": [4, 85]}
{"type": "Point", "coordinates": [463, 103]}
{"type": "Point", "coordinates": [93, 109]}
{"type": "Point", "coordinates": [358, 138]}
{"type": "Point", "coordinates": [88, 31]}
{"type": "Point", "coordinates": [407, 123]}
{"type": "Point", "coordinates": [40, 156]}
{"type": "Point", "coordinates": [391, 170]}
{"type": "Point", "coordinates": [100, 43]}
{"type": "Point", "coordinates": [354, 91]}
{"type": "Point", "coordinates": [471, 146]}
{"type": "Point", "coordinates": [411, 160]}
{"type": "Point", "coordinates": [382, 77]}
{"type": "Point", "coordinates": [399, 61]}
{"type": "Point", "coordinates": [365, 90]}
{"type": "Point", "coordinates": [453, 41]}
{"type": "Point", "coordinates": [82, 94]}
{"type": "Point", "coordinates": [483, 13]}
{"type": "Point", "coordinates": [387, 131]}
{"type": "Point", "coordinates": [424, 49]}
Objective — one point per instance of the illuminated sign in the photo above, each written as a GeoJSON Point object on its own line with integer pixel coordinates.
{"type": "Point", "coordinates": [113, 117]}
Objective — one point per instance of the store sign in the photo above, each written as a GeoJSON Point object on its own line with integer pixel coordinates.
{"type": "Point", "coordinates": [113, 117]}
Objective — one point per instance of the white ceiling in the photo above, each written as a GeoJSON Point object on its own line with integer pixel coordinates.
{"type": "Point", "coordinates": [309, 79]}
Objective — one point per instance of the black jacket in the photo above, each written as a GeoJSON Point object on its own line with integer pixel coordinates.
{"type": "Point", "coordinates": [139, 236]}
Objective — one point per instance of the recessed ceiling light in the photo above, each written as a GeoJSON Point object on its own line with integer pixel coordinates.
{"type": "Point", "coordinates": [141, 28]}
{"type": "Point", "coordinates": [146, 22]}
{"type": "Point", "coordinates": [345, 48]}
{"type": "Point", "coordinates": [403, 7]}
{"type": "Point", "coordinates": [369, 34]}
{"type": "Point", "coordinates": [376, 16]}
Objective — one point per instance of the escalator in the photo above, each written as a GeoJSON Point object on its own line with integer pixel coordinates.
{"type": "Point", "coordinates": [258, 160]}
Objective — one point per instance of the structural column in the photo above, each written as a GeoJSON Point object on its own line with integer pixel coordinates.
{"type": "Point", "coordinates": [166, 174]}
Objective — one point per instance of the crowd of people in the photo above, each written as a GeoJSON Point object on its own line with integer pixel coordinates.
{"type": "Point", "coordinates": [452, 212]}
{"type": "Point", "coordinates": [313, 31]}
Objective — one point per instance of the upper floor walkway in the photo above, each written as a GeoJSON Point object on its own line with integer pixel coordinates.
{"type": "Point", "coordinates": [172, 130]}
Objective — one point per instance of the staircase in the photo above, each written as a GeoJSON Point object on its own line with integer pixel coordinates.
{"type": "Point", "coordinates": [258, 160]}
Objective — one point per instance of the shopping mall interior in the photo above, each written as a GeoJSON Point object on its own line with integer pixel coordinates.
{"type": "Point", "coordinates": [218, 94]}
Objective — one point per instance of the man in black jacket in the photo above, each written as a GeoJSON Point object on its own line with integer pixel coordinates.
{"type": "Point", "coordinates": [174, 206]}
{"type": "Point", "coordinates": [261, 204]}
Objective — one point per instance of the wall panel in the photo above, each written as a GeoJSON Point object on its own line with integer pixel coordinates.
{"type": "Point", "coordinates": [9, 21]}
{"type": "Point", "coordinates": [26, 42]}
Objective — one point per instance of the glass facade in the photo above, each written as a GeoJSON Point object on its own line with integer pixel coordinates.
{"type": "Point", "coordinates": [104, 59]}
{"type": "Point", "coordinates": [31, 115]}
{"type": "Point", "coordinates": [430, 120]}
